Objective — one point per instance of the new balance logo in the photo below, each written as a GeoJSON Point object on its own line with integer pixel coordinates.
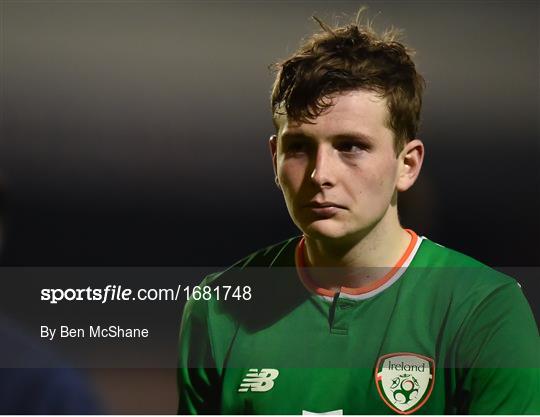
{"type": "Point", "coordinates": [256, 381]}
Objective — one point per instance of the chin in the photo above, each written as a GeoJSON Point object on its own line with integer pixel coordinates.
{"type": "Point", "coordinates": [324, 230]}
{"type": "Point", "coordinates": [335, 231]}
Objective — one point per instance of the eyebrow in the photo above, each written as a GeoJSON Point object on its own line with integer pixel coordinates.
{"type": "Point", "coordinates": [340, 136]}
{"type": "Point", "coordinates": [353, 136]}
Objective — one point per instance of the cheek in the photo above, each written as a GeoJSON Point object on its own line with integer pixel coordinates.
{"type": "Point", "coordinates": [378, 178]}
{"type": "Point", "coordinates": [290, 179]}
{"type": "Point", "coordinates": [291, 174]}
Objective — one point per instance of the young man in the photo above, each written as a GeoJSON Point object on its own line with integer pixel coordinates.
{"type": "Point", "coordinates": [358, 315]}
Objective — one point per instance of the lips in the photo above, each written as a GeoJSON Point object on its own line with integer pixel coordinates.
{"type": "Point", "coordinates": [324, 209]}
{"type": "Point", "coordinates": [323, 204]}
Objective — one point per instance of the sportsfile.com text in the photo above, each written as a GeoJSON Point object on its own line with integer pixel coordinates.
{"type": "Point", "coordinates": [120, 293]}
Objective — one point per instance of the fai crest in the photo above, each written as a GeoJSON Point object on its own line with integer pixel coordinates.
{"type": "Point", "coordinates": [405, 380]}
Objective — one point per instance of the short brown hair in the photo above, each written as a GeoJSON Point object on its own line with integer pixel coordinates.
{"type": "Point", "coordinates": [347, 58]}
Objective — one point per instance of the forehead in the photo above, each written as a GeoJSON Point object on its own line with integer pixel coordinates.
{"type": "Point", "coordinates": [355, 111]}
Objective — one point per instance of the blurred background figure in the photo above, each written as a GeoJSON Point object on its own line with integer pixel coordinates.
{"type": "Point", "coordinates": [37, 381]}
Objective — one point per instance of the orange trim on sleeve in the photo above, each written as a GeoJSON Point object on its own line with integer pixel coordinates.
{"type": "Point", "coordinates": [312, 286]}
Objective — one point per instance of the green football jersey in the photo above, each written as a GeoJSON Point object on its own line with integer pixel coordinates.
{"type": "Point", "coordinates": [439, 334]}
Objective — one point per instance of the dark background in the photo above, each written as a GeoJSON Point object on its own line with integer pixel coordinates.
{"type": "Point", "coordinates": [135, 133]}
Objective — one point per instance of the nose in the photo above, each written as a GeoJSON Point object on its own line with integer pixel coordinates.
{"type": "Point", "coordinates": [323, 167]}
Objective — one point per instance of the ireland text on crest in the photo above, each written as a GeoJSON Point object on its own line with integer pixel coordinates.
{"type": "Point", "coordinates": [405, 380]}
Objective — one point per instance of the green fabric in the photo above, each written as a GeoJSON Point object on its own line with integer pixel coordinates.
{"type": "Point", "coordinates": [473, 322]}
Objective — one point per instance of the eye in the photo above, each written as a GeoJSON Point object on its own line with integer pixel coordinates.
{"type": "Point", "coordinates": [296, 147]}
{"type": "Point", "coordinates": [351, 147]}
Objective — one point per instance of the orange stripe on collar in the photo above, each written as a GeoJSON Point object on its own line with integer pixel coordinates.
{"type": "Point", "coordinates": [312, 286]}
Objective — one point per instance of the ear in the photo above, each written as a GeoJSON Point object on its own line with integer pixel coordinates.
{"type": "Point", "coordinates": [272, 144]}
{"type": "Point", "coordinates": [410, 163]}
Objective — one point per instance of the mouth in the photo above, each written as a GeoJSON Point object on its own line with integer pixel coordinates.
{"type": "Point", "coordinates": [324, 209]}
{"type": "Point", "coordinates": [323, 204]}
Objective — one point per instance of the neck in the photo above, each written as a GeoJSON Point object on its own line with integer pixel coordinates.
{"type": "Point", "coordinates": [357, 260]}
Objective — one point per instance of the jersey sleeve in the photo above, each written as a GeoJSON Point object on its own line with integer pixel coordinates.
{"type": "Point", "coordinates": [199, 388]}
{"type": "Point", "coordinates": [499, 353]}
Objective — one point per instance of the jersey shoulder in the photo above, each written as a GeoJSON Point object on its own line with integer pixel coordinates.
{"type": "Point", "coordinates": [435, 254]}
{"type": "Point", "coordinates": [457, 281]}
{"type": "Point", "coordinates": [277, 255]}
{"type": "Point", "coordinates": [243, 295]}
{"type": "Point", "coordinates": [446, 262]}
